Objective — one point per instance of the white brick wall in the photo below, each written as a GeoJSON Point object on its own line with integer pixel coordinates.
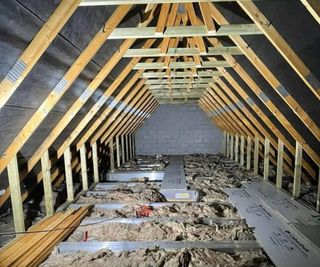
{"type": "Point", "coordinates": [178, 130]}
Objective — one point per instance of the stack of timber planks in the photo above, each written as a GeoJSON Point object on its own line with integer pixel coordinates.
{"type": "Point", "coordinates": [33, 248]}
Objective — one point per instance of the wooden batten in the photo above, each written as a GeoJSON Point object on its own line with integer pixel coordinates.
{"type": "Point", "coordinates": [279, 174]}
{"type": "Point", "coordinates": [84, 168]}
{"type": "Point", "coordinates": [118, 151]}
{"type": "Point", "coordinates": [16, 200]}
{"type": "Point", "coordinates": [95, 160]}
{"type": "Point", "coordinates": [68, 174]}
{"type": "Point", "coordinates": [228, 145]}
{"type": "Point", "coordinates": [47, 184]}
{"type": "Point", "coordinates": [297, 171]}
{"type": "Point", "coordinates": [256, 156]}
{"type": "Point", "coordinates": [248, 154]}
{"type": "Point", "coordinates": [266, 159]}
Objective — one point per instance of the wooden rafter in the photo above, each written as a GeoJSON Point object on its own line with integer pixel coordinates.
{"type": "Point", "coordinates": [63, 85]}
{"type": "Point", "coordinates": [313, 6]}
{"type": "Point", "coordinates": [282, 46]}
{"type": "Point", "coordinates": [268, 75]}
{"type": "Point", "coordinates": [36, 48]}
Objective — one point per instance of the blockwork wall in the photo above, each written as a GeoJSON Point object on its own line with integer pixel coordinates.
{"type": "Point", "coordinates": [178, 130]}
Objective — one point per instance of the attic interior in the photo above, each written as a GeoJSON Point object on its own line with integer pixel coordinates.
{"type": "Point", "coordinates": [159, 133]}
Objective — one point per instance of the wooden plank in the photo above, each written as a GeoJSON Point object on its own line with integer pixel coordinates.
{"type": "Point", "coordinates": [242, 150]}
{"type": "Point", "coordinates": [256, 156]}
{"type": "Point", "coordinates": [111, 149]}
{"type": "Point", "coordinates": [23, 247]}
{"type": "Point", "coordinates": [266, 159]}
{"type": "Point", "coordinates": [184, 31]}
{"type": "Point", "coordinates": [183, 51]}
{"type": "Point", "coordinates": [282, 46]}
{"type": "Point", "coordinates": [84, 168]}
{"type": "Point", "coordinates": [297, 171]}
{"type": "Point", "coordinates": [181, 64]}
{"type": "Point", "coordinates": [118, 151]}
{"type": "Point", "coordinates": [313, 6]}
{"type": "Point", "coordinates": [279, 164]}
{"type": "Point", "coordinates": [236, 148]}
{"type": "Point", "coordinates": [16, 200]}
{"type": "Point", "coordinates": [248, 154]}
{"type": "Point", "coordinates": [47, 185]}
{"type": "Point", "coordinates": [165, 8]}
{"type": "Point", "coordinates": [206, 15]}
{"type": "Point", "coordinates": [63, 85]}
{"type": "Point", "coordinates": [68, 174]}
{"type": "Point", "coordinates": [95, 160]}
{"type": "Point", "coordinates": [36, 48]}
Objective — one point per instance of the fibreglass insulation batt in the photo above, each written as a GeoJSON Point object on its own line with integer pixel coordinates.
{"type": "Point", "coordinates": [139, 193]}
{"type": "Point", "coordinates": [162, 230]}
{"type": "Point", "coordinates": [191, 210]}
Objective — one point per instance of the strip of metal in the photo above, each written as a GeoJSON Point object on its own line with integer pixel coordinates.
{"type": "Point", "coordinates": [135, 175]}
{"type": "Point", "coordinates": [107, 186]}
{"type": "Point", "coordinates": [117, 246]}
{"type": "Point", "coordinates": [118, 205]}
{"type": "Point", "coordinates": [208, 221]}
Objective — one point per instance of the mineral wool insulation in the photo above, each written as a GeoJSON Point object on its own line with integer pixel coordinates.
{"type": "Point", "coordinates": [206, 173]}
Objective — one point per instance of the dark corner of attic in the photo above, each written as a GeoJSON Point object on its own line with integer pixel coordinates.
{"type": "Point", "coordinates": [159, 133]}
